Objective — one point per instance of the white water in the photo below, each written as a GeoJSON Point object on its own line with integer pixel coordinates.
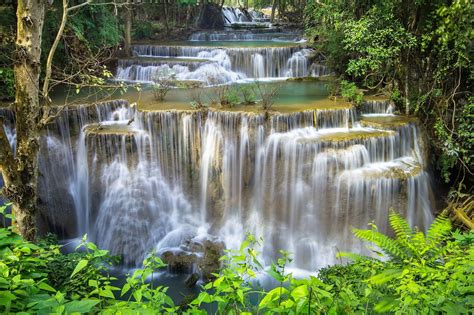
{"type": "Point", "coordinates": [221, 65]}
{"type": "Point", "coordinates": [169, 174]}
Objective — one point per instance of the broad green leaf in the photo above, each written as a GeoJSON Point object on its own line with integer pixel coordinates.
{"type": "Point", "coordinates": [46, 287]}
{"type": "Point", "coordinates": [82, 306]}
{"type": "Point", "coordinates": [299, 292]}
{"type": "Point", "coordinates": [80, 265]}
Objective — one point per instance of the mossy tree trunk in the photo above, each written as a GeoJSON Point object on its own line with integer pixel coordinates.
{"type": "Point", "coordinates": [20, 170]}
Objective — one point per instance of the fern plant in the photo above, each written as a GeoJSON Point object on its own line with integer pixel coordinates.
{"type": "Point", "coordinates": [409, 243]}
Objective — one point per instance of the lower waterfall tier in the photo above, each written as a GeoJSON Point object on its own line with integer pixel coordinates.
{"type": "Point", "coordinates": [134, 181]}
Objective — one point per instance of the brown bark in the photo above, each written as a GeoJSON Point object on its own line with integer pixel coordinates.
{"type": "Point", "coordinates": [165, 13]}
{"type": "Point", "coordinates": [128, 31]}
{"type": "Point", "coordinates": [21, 172]}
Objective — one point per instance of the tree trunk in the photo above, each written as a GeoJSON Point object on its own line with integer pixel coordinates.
{"type": "Point", "coordinates": [274, 6]}
{"type": "Point", "coordinates": [21, 172]}
{"type": "Point", "coordinates": [188, 16]}
{"type": "Point", "coordinates": [128, 31]}
{"type": "Point", "coordinates": [165, 13]}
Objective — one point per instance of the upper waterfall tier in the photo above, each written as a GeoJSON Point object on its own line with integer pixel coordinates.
{"type": "Point", "coordinates": [137, 179]}
{"type": "Point", "coordinates": [247, 35]}
{"type": "Point", "coordinates": [220, 65]}
{"type": "Point", "coordinates": [241, 17]}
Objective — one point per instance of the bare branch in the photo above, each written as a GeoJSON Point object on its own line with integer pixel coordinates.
{"type": "Point", "coordinates": [52, 51]}
{"type": "Point", "coordinates": [77, 6]}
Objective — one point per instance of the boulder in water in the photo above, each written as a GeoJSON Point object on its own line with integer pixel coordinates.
{"type": "Point", "coordinates": [199, 254]}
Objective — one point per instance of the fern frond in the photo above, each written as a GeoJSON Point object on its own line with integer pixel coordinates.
{"type": "Point", "coordinates": [390, 246]}
{"type": "Point", "coordinates": [400, 226]}
{"type": "Point", "coordinates": [439, 229]}
{"type": "Point", "coordinates": [353, 257]}
{"type": "Point", "coordinates": [436, 235]}
{"type": "Point", "coordinates": [404, 233]}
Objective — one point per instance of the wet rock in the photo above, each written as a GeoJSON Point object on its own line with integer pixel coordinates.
{"type": "Point", "coordinates": [179, 260]}
{"type": "Point", "coordinates": [191, 280]}
{"type": "Point", "coordinates": [196, 255]}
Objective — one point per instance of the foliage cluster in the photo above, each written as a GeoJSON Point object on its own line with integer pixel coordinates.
{"type": "Point", "coordinates": [145, 29]}
{"type": "Point", "coordinates": [228, 96]}
{"type": "Point", "coordinates": [7, 46]}
{"type": "Point", "coordinates": [419, 52]}
{"type": "Point", "coordinates": [420, 273]}
{"type": "Point", "coordinates": [90, 38]}
{"type": "Point", "coordinates": [350, 92]}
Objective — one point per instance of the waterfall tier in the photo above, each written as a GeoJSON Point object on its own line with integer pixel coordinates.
{"type": "Point", "coordinates": [247, 35]}
{"type": "Point", "coordinates": [239, 17]}
{"type": "Point", "coordinates": [132, 180]}
{"type": "Point", "coordinates": [219, 65]}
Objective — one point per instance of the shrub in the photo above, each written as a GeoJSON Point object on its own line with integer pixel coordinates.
{"type": "Point", "coordinates": [248, 93]}
{"type": "Point", "coordinates": [142, 30]}
{"type": "Point", "coordinates": [197, 98]}
{"type": "Point", "coordinates": [267, 93]}
{"type": "Point", "coordinates": [350, 92]}
{"type": "Point", "coordinates": [163, 82]}
{"type": "Point", "coordinates": [226, 95]}
{"type": "Point", "coordinates": [424, 274]}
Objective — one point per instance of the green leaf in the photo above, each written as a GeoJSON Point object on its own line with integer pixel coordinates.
{"type": "Point", "coordinates": [107, 293]}
{"type": "Point", "coordinates": [80, 265]}
{"type": "Point", "coordinates": [6, 297]}
{"type": "Point", "coordinates": [125, 289]}
{"type": "Point", "coordinates": [82, 306]}
{"type": "Point", "coordinates": [271, 296]}
{"type": "Point", "coordinates": [387, 304]}
{"type": "Point", "coordinates": [385, 276]}
{"type": "Point", "coordinates": [46, 287]}
{"type": "Point", "coordinates": [299, 292]}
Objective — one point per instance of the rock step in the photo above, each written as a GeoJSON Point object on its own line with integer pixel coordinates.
{"type": "Point", "coordinates": [402, 168]}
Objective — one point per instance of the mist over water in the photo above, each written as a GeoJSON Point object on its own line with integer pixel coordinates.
{"type": "Point", "coordinates": [299, 180]}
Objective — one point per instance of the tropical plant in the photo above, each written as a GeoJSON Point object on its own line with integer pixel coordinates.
{"type": "Point", "coordinates": [409, 243]}
{"type": "Point", "coordinates": [420, 274]}
{"type": "Point", "coordinates": [233, 285]}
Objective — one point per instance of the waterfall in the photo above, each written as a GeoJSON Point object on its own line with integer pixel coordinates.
{"type": "Point", "coordinates": [300, 180]}
{"type": "Point", "coordinates": [247, 35]}
{"type": "Point", "coordinates": [218, 65]}
{"type": "Point", "coordinates": [233, 16]}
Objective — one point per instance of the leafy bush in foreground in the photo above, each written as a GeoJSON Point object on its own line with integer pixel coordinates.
{"type": "Point", "coordinates": [425, 274]}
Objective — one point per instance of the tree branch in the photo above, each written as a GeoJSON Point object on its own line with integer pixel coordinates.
{"type": "Point", "coordinates": [49, 61]}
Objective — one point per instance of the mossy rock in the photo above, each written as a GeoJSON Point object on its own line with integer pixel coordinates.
{"type": "Point", "coordinates": [354, 135]}
{"type": "Point", "coordinates": [387, 121]}
{"type": "Point", "coordinates": [110, 129]}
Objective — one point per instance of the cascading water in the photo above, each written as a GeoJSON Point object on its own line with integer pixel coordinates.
{"type": "Point", "coordinates": [150, 179]}
{"type": "Point", "coordinates": [135, 180]}
{"type": "Point", "coordinates": [219, 65]}
{"type": "Point", "coordinates": [236, 16]}
{"type": "Point", "coordinates": [247, 35]}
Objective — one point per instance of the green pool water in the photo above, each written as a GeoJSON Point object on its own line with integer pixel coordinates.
{"type": "Point", "coordinates": [291, 96]}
